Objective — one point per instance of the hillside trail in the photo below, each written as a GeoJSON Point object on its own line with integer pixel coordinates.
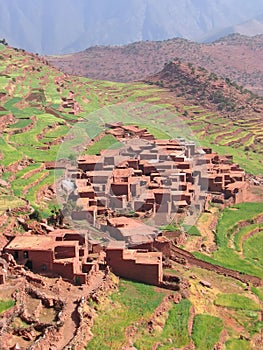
{"type": "Point", "coordinates": [206, 224]}
{"type": "Point", "coordinates": [72, 295]}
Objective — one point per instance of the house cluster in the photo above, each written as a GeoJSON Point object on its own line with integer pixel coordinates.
{"type": "Point", "coordinates": [72, 256]}
{"type": "Point", "coordinates": [161, 180]}
{"type": "Point", "coordinates": [153, 180]}
{"type": "Point", "coordinates": [128, 193]}
{"type": "Point", "coordinates": [61, 252]}
{"type": "Point", "coordinates": [224, 180]}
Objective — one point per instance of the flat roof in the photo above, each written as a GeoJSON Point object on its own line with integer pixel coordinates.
{"type": "Point", "coordinates": [89, 159]}
{"type": "Point", "coordinates": [143, 257]}
{"type": "Point", "coordinates": [116, 245]}
{"type": "Point", "coordinates": [32, 242]}
{"type": "Point", "coordinates": [237, 184]}
{"type": "Point", "coordinates": [123, 221]}
{"type": "Point", "coordinates": [37, 242]}
{"type": "Point", "coordinates": [126, 172]}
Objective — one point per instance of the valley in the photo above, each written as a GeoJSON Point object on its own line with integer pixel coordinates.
{"type": "Point", "coordinates": [212, 268]}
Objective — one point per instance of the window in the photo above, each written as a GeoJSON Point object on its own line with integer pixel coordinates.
{"type": "Point", "coordinates": [44, 267]}
{"type": "Point", "coordinates": [25, 254]}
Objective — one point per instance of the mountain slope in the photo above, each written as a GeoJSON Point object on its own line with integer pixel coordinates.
{"type": "Point", "coordinates": [62, 26]}
{"type": "Point", "coordinates": [251, 27]}
{"type": "Point", "coordinates": [42, 112]}
{"type": "Point", "coordinates": [237, 57]}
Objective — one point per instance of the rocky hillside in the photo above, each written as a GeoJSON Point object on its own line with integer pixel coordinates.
{"type": "Point", "coordinates": [238, 106]}
{"type": "Point", "coordinates": [207, 89]}
{"type": "Point", "coordinates": [236, 57]}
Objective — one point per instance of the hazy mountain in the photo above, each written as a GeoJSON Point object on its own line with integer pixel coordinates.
{"type": "Point", "coordinates": [59, 26]}
{"type": "Point", "coordinates": [250, 28]}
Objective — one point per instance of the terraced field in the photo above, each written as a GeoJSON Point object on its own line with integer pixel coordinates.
{"type": "Point", "coordinates": [37, 129]}
{"type": "Point", "coordinates": [239, 238]}
{"type": "Point", "coordinates": [32, 93]}
{"type": "Point", "coordinates": [147, 317]}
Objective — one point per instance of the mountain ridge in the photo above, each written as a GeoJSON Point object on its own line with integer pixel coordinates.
{"type": "Point", "coordinates": [63, 26]}
{"type": "Point", "coordinates": [236, 56]}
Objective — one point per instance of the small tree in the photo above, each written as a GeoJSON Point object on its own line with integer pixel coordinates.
{"type": "Point", "coordinates": [4, 42]}
{"type": "Point", "coordinates": [35, 215]}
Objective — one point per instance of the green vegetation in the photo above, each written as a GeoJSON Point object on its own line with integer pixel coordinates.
{"type": "Point", "coordinates": [241, 234]}
{"type": "Point", "coordinates": [20, 184]}
{"type": "Point", "coordinates": [22, 123]}
{"type": "Point", "coordinates": [227, 226]}
{"type": "Point", "coordinates": [170, 227]}
{"type": "Point", "coordinates": [10, 201]}
{"type": "Point", "coordinates": [252, 250]}
{"type": "Point", "coordinates": [174, 333]}
{"type": "Point", "coordinates": [156, 132]}
{"type": "Point", "coordinates": [11, 154]}
{"type": "Point", "coordinates": [237, 344]}
{"type": "Point", "coordinates": [30, 137]}
{"type": "Point", "coordinates": [228, 258]}
{"type": "Point", "coordinates": [206, 331]}
{"type": "Point", "coordinates": [176, 326]}
{"type": "Point", "coordinates": [134, 302]}
{"type": "Point", "coordinates": [192, 230]}
{"type": "Point", "coordinates": [258, 291]}
{"type": "Point", "coordinates": [6, 304]}
{"type": "Point", "coordinates": [236, 301]}
{"type": "Point", "coordinates": [106, 142]}
{"type": "Point", "coordinates": [231, 216]}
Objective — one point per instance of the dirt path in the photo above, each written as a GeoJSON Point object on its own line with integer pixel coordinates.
{"type": "Point", "coordinates": [73, 294]}
{"type": "Point", "coordinates": [206, 224]}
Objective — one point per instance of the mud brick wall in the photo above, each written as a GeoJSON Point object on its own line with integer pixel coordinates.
{"type": "Point", "coordinates": [40, 258]}
{"type": "Point", "coordinates": [142, 272]}
{"type": "Point", "coordinates": [65, 270]}
{"type": "Point", "coordinates": [62, 252]}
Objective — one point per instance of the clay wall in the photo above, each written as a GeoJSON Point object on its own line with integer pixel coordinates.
{"type": "Point", "coordinates": [148, 156]}
{"type": "Point", "coordinates": [90, 166]}
{"type": "Point", "coordinates": [163, 247]}
{"type": "Point", "coordinates": [214, 186]}
{"type": "Point", "coordinates": [96, 248]}
{"type": "Point", "coordinates": [63, 252]}
{"type": "Point", "coordinates": [143, 272]}
{"type": "Point", "coordinates": [84, 215]}
{"type": "Point", "coordinates": [120, 189]}
{"type": "Point", "coordinates": [114, 232]}
{"type": "Point", "coordinates": [74, 237]}
{"type": "Point", "coordinates": [41, 260]}
{"type": "Point", "coordinates": [86, 194]}
{"type": "Point", "coordinates": [162, 197]}
{"type": "Point", "coordinates": [183, 165]}
{"type": "Point", "coordinates": [38, 258]}
{"type": "Point", "coordinates": [65, 270]}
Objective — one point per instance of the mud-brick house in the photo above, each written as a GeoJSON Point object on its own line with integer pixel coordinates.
{"type": "Point", "coordinates": [130, 230]}
{"type": "Point", "coordinates": [236, 190]}
{"type": "Point", "coordinates": [90, 162]}
{"type": "Point", "coordinates": [60, 253]}
{"type": "Point", "coordinates": [134, 264]}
